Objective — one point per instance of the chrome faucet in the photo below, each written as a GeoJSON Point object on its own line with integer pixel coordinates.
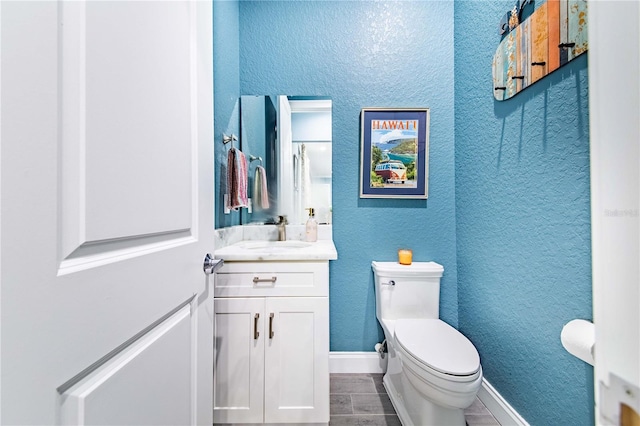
{"type": "Point", "coordinates": [282, 231]}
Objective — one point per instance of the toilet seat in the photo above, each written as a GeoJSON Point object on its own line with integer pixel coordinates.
{"type": "Point", "coordinates": [438, 347]}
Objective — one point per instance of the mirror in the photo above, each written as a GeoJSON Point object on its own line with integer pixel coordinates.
{"type": "Point", "coordinates": [291, 138]}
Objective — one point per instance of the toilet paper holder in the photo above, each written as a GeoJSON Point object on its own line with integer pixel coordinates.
{"type": "Point", "coordinates": [578, 338]}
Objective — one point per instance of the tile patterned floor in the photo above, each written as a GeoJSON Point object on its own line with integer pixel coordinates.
{"type": "Point", "coordinates": [361, 400]}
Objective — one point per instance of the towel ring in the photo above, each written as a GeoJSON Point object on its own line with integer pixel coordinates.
{"type": "Point", "coordinates": [253, 158]}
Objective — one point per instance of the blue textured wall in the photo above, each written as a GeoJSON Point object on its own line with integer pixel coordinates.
{"type": "Point", "coordinates": [364, 54]}
{"type": "Point", "coordinates": [226, 88]}
{"type": "Point", "coordinates": [523, 224]}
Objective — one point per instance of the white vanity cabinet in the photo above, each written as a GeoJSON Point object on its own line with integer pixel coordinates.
{"type": "Point", "coordinates": [271, 342]}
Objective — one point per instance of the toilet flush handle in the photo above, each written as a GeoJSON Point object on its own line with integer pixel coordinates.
{"type": "Point", "coordinates": [391, 282]}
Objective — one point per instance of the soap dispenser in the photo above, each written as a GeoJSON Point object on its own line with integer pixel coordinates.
{"type": "Point", "coordinates": [312, 226]}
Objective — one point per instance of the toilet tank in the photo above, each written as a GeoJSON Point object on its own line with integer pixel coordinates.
{"type": "Point", "coordinates": [416, 293]}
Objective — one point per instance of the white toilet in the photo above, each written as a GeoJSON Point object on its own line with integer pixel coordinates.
{"type": "Point", "coordinates": [433, 371]}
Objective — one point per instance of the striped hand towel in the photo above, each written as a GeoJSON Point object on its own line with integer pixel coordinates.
{"type": "Point", "coordinates": [236, 180]}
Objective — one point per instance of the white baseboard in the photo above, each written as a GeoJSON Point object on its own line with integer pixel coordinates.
{"type": "Point", "coordinates": [370, 362]}
{"type": "Point", "coordinates": [356, 362]}
{"type": "Point", "coordinates": [504, 413]}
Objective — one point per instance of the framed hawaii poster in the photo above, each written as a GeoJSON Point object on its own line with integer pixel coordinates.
{"type": "Point", "coordinates": [394, 152]}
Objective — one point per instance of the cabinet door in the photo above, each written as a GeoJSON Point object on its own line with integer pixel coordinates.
{"type": "Point", "coordinates": [297, 360]}
{"type": "Point", "coordinates": [238, 378]}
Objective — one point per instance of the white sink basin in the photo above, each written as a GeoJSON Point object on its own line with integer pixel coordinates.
{"type": "Point", "coordinates": [274, 246]}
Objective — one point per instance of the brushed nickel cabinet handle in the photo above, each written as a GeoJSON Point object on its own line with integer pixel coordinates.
{"type": "Point", "coordinates": [256, 333]}
{"type": "Point", "coordinates": [264, 280]}
{"type": "Point", "coordinates": [271, 333]}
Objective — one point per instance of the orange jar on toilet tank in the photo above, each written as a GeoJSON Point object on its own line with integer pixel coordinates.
{"type": "Point", "coordinates": [405, 256]}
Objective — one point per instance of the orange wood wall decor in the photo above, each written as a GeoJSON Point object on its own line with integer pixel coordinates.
{"type": "Point", "coordinates": [552, 36]}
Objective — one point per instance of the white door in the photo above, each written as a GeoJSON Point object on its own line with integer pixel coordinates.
{"type": "Point", "coordinates": [239, 360]}
{"type": "Point", "coordinates": [296, 363]}
{"type": "Point", "coordinates": [107, 183]}
{"type": "Point", "coordinates": [614, 47]}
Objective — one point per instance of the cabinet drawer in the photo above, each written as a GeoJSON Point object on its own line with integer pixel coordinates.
{"type": "Point", "coordinates": [256, 279]}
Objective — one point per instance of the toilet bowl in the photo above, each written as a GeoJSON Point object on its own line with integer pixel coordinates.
{"type": "Point", "coordinates": [434, 371]}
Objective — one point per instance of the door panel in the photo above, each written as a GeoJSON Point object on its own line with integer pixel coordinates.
{"type": "Point", "coordinates": [238, 379]}
{"type": "Point", "coordinates": [126, 167]}
{"type": "Point", "coordinates": [296, 360]}
{"type": "Point", "coordinates": [159, 362]}
{"type": "Point", "coordinates": [107, 210]}
{"type": "Point", "coordinates": [125, 73]}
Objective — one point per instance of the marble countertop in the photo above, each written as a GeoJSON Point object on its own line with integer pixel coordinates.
{"type": "Point", "coordinates": [266, 250]}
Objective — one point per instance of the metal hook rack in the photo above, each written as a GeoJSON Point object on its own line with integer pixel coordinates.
{"type": "Point", "coordinates": [253, 158]}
